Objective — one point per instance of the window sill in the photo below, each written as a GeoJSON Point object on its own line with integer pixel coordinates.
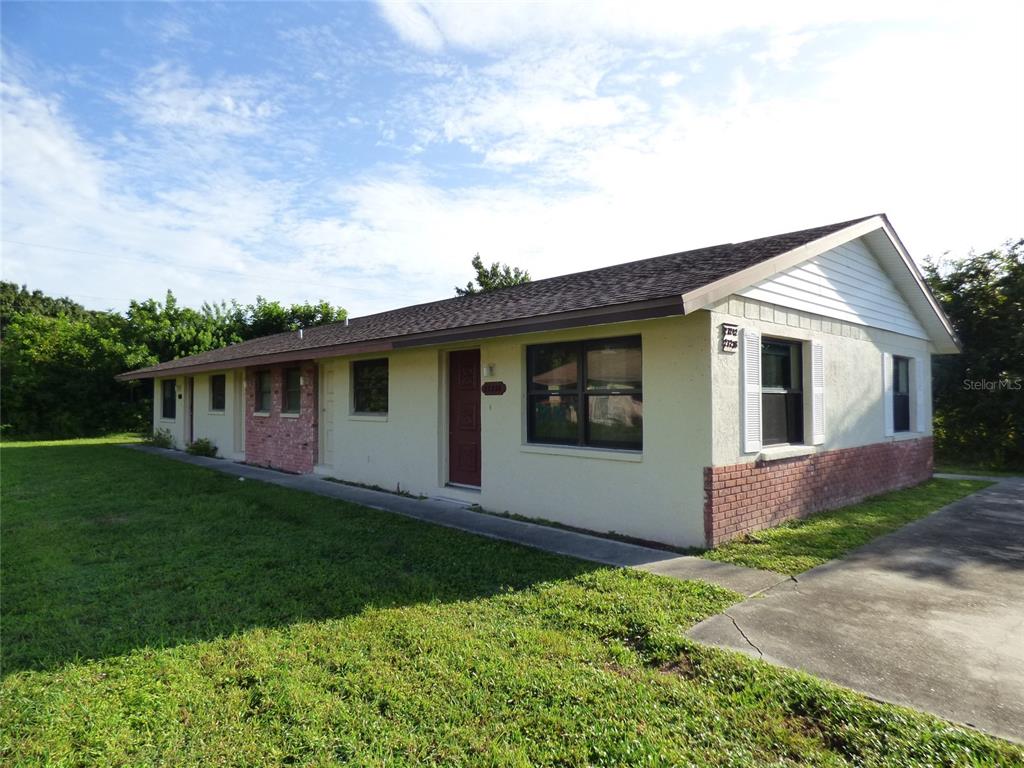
{"type": "Point", "coordinates": [215, 413]}
{"type": "Point", "coordinates": [779, 452]}
{"type": "Point", "coordinates": [261, 414]}
{"type": "Point", "coordinates": [165, 420]}
{"type": "Point", "coordinates": [289, 415]}
{"type": "Point", "coordinates": [581, 452]}
{"type": "Point", "coordinates": [897, 436]}
{"type": "Point", "coordinates": [367, 417]}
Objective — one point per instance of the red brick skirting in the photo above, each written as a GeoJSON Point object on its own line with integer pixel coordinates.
{"type": "Point", "coordinates": [282, 442]}
{"type": "Point", "coordinates": [741, 498]}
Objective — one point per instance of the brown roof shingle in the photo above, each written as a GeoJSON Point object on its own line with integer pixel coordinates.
{"type": "Point", "coordinates": [624, 286]}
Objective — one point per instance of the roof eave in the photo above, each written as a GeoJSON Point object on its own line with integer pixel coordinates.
{"type": "Point", "coordinates": [615, 313]}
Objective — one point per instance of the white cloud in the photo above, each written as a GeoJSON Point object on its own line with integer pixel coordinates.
{"type": "Point", "coordinates": [170, 97]}
{"type": "Point", "coordinates": [490, 27]}
{"type": "Point", "coordinates": [413, 23]}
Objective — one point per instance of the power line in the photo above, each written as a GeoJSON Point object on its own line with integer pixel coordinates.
{"type": "Point", "coordinates": [148, 262]}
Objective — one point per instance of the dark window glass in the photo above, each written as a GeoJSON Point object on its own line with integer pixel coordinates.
{"type": "Point", "coordinates": [586, 393]}
{"type": "Point", "coordinates": [901, 394]}
{"type": "Point", "coordinates": [217, 385]}
{"type": "Point", "coordinates": [782, 402]}
{"type": "Point", "coordinates": [264, 393]}
{"type": "Point", "coordinates": [370, 386]}
{"type": "Point", "coordinates": [169, 399]}
{"type": "Point", "coordinates": [292, 390]}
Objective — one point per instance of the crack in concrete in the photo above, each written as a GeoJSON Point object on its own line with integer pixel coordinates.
{"type": "Point", "coordinates": [743, 634]}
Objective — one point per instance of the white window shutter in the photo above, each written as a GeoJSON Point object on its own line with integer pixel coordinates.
{"type": "Point", "coordinates": [922, 395]}
{"type": "Point", "coordinates": [817, 393]}
{"type": "Point", "coordinates": [750, 382]}
{"type": "Point", "coordinates": [887, 392]}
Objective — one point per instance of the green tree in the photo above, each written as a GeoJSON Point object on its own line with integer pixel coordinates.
{"type": "Point", "coordinates": [58, 376]}
{"type": "Point", "coordinates": [979, 394]}
{"type": "Point", "coordinates": [493, 277]}
{"type": "Point", "coordinates": [15, 299]}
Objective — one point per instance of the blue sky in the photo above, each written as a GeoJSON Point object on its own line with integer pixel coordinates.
{"type": "Point", "coordinates": [363, 153]}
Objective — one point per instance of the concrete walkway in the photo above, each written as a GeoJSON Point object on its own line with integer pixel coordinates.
{"type": "Point", "coordinates": [746, 581]}
{"type": "Point", "coordinates": [930, 616]}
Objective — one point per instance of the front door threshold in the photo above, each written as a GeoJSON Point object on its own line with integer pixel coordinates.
{"type": "Point", "coordinates": [463, 486]}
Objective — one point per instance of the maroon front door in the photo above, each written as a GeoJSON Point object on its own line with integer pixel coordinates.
{"type": "Point", "coordinates": [464, 417]}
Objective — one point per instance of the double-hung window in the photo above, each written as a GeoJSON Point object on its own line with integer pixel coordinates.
{"type": "Point", "coordinates": [217, 391]}
{"type": "Point", "coordinates": [264, 391]}
{"type": "Point", "coordinates": [782, 400]}
{"type": "Point", "coordinates": [586, 393]}
{"type": "Point", "coordinates": [292, 390]}
{"type": "Point", "coordinates": [169, 399]}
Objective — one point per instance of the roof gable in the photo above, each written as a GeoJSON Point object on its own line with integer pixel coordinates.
{"type": "Point", "coordinates": [844, 283]}
{"type": "Point", "coordinates": [881, 240]}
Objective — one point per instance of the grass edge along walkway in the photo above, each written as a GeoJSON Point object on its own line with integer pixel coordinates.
{"type": "Point", "coordinates": [799, 545]}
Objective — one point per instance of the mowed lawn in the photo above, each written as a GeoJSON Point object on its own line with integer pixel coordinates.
{"type": "Point", "coordinates": [800, 545]}
{"type": "Point", "coordinates": [156, 613]}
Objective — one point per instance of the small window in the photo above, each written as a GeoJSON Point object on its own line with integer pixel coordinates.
{"type": "Point", "coordinates": [586, 393]}
{"type": "Point", "coordinates": [263, 392]}
{"type": "Point", "coordinates": [782, 401]}
{"type": "Point", "coordinates": [169, 396]}
{"type": "Point", "coordinates": [217, 389]}
{"type": "Point", "coordinates": [901, 394]}
{"type": "Point", "coordinates": [370, 386]}
{"type": "Point", "coordinates": [292, 390]}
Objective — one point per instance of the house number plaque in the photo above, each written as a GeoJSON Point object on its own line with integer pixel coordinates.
{"type": "Point", "coordinates": [493, 388]}
{"type": "Point", "coordinates": [730, 337]}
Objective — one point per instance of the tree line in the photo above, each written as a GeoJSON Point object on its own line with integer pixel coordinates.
{"type": "Point", "coordinates": [59, 359]}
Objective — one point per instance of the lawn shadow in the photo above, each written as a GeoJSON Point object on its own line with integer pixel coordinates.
{"type": "Point", "coordinates": [106, 550]}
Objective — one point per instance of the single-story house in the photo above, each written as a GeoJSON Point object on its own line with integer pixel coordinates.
{"type": "Point", "coordinates": [684, 399]}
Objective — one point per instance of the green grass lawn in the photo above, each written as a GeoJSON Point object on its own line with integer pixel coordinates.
{"type": "Point", "coordinates": [797, 546]}
{"type": "Point", "coordinates": [970, 469]}
{"type": "Point", "coordinates": [156, 613]}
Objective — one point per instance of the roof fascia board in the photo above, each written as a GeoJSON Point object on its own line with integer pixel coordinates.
{"type": "Point", "coordinates": [921, 282]}
{"type": "Point", "coordinates": [712, 293]}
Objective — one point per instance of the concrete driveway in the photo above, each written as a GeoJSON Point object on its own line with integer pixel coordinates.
{"type": "Point", "coordinates": [931, 616]}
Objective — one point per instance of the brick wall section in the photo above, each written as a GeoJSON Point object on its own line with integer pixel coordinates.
{"type": "Point", "coordinates": [742, 498]}
{"type": "Point", "coordinates": [282, 442]}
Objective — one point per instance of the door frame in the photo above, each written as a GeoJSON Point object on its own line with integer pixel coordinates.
{"type": "Point", "coordinates": [445, 413]}
{"type": "Point", "coordinates": [190, 411]}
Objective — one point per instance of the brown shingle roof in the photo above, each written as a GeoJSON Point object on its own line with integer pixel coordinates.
{"type": "Point", "coordinates": [635, 284]}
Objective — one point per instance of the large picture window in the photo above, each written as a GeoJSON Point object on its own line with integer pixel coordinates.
{"type": "Point", "coordinates": [292, 390]}
{"type": "Point", "coordinates": [782, 400]}
{"type": "Point", "coordinates": [264, 391]}
{"type": "Point", "coordinates": [169, 399]}
{"type": "Point", "coordinates": [217, 391]}
{"type": "Point", "coordinates": [370, 386]}
{"type": "Point", "coordinates": [586, 393]}
{"type": "Point", "coordinates": [901, 394]}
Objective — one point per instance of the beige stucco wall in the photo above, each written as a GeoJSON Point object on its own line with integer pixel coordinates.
{"type": "Point", "coordinates": [655, 494]}
{"type": "Point", "coordinates": [220, 427]}
{"type": "Point", "coordinates": [175, 426]}
{"type": "Point", "coordinates": [225, 430]}
{"type": "Point", "coordinates": [854, 409]}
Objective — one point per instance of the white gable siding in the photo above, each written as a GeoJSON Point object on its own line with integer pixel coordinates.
{"type": "Point", "coordinates": [845, 283]}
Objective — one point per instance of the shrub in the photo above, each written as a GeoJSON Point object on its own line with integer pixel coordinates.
{"type": "Point", "coordinates": [161, 438]}
{"type": "Point", "coordinates": [202, 447]}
